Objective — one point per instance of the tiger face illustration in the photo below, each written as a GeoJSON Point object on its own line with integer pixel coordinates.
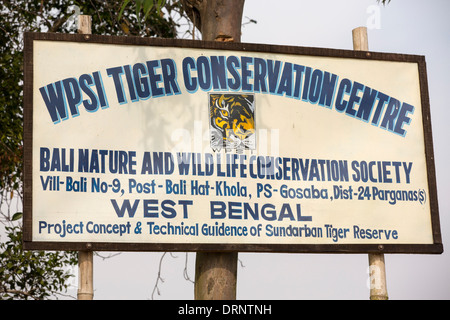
{"type": "Point", "coordinates": [232, 121]}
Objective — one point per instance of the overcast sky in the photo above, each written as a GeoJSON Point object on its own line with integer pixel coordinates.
{"type": "Point", "coordinates": [403, 26]}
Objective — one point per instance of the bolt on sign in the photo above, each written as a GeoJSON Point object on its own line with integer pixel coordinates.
{"type": "Point", "coordinates": [156, 144]}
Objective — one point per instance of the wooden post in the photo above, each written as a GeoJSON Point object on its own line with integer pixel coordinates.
{"type": "Point", "coordinates": [377, 273]}
{"type": "Point", "coordinates": [85, 258]}
{"type": "Point", "coordinates": [85, 275]}
{"type": "Point", "coordinates": [84, 24]}
{"type": "Point", "coordinates": [377, 269]}
{"type": "Point", "coordinates": [360, 39]}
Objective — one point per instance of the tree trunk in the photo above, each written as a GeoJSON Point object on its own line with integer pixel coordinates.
{"type": "Point", "coordinates": [215, 276]}
{"type": "Point", "coordinates": [218, 20]}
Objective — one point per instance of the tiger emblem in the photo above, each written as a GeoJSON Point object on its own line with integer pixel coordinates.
{"type": "Point", "coordinates": [232, 121]}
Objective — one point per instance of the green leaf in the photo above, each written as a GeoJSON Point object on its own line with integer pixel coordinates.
{"type": "Point", "coordinates": [148, 5]}
{"type": "Point", "coordinates": [161, 3]}
{"type": "Point", "coordinates": [125, 3]}
{"type": "Point", "coordinates": [138, 9]}
{"type": "Point", "coordinates": [17, 216]}
{"type": "Point", "coordinates": [138, 6]}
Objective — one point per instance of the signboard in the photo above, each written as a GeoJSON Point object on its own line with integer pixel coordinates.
{"type": "Point", "coordinates": [156, 144]}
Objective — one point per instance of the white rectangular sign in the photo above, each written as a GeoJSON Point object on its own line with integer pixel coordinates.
{"type": "Point", "coordinates": [140, 144]}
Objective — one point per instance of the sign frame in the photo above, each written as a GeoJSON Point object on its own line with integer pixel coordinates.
{"type": "Point", "coordinates": [435, 248]}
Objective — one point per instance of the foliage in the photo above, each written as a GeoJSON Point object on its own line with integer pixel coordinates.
{"type": "Point", "coordinates": [124, 18]}
{"type": "Point", "coordinates": [11, 131]}
{"type": "Point", "coordinates": [32, 274]}
{"type": "Point", "coordinates": [145, 5]}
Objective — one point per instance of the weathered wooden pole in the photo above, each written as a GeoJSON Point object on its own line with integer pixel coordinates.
{"type": "Point", "coordinates": [85, 275]}
{"type": "Point", "coordinates": [85, 258]}
{"type": "Point", "coordinates": [360, 39]}
{"type": "Point", "coordinates": [216, 272]}
{"type": "Point", "coordinates": [377, 273]}
{"type": "Point", "coordinates": [84, 24]}
{"type": "Point", "coordinates": [377, 269]}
